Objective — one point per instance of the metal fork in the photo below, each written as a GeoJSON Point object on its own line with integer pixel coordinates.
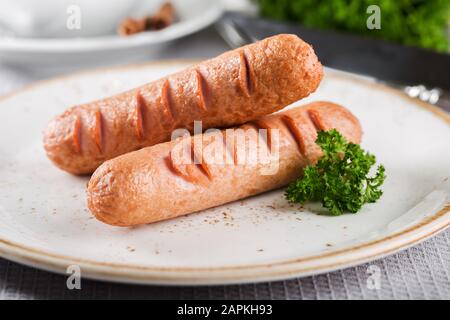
{"type": "Point", "coordinates": [233, 34]}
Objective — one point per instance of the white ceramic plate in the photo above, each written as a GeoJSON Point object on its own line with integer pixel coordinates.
{"type": "Point", "coordinates": [193, 15]}
{"type": "Point", "coordinates": [44, 221]}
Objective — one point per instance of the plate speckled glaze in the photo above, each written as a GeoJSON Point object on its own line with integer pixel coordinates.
{"type": "Point", "coordinates": [44, 221]}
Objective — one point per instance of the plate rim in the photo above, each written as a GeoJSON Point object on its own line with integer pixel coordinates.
{"type": "Point", "coordinates": [113, 42]}
{"type": "Point", "coordinates": [282, 269]}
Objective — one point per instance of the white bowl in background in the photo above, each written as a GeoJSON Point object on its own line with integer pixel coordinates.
{"type": "Point", "coordinates": [193, 16]}
{"type": "Point", "coordinates": [67, 18]}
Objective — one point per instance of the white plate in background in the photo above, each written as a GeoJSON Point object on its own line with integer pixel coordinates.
{"type": "Point", "coordinates": [193, 15]}
{"type": "Point", "coordinates": [44, 221]}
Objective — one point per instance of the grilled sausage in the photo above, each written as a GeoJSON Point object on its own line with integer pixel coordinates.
{"type": "Point", "coordinates": [230, 89]}
{"type": "Point", "coordinates": [153, 184]}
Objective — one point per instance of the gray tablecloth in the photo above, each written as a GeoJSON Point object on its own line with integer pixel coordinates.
{"type": "Point", "coordinates": [421, 272]}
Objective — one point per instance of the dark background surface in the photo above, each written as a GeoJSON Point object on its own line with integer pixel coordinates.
{"type": "Point", "coordinates": [361, 54]}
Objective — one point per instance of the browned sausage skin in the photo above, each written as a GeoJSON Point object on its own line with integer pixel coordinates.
{"type": "Point", "coordinates": [230, 89]}
{"type": "Point", "coordinates": [150, 185]}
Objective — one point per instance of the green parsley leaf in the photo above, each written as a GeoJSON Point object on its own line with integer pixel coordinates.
{"type": "Point", "coordinates": [411, 22]}
{"type": "Point", "coordinates": [340, 179]}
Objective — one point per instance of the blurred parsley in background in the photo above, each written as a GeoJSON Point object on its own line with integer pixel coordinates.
{"type": "Point", "coordinates": [421, 23]}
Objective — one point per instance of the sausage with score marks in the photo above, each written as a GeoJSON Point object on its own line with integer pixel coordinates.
{"type": "Point", "coordinates": [231, 89]}
{"type": "Point", "coordinates": [153, 184]}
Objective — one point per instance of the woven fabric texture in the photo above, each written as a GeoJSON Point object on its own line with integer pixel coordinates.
{"type": "Point", "coordinates": [421, 272]}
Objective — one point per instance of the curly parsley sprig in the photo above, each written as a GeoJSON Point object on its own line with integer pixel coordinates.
{"type": "Point", "coordinates": [340, 179]}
